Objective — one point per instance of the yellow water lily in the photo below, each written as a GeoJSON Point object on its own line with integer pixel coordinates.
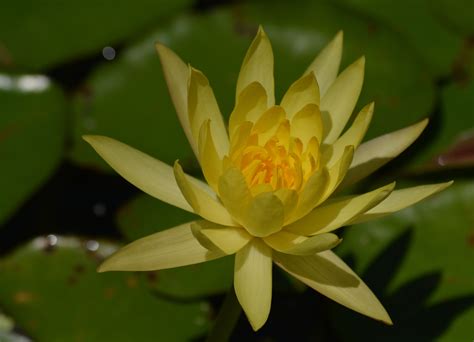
{"type": "Point", "coordinates": [272, 178]}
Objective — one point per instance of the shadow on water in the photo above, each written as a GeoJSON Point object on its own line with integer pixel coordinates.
{"type": "Point", "coordinates": [413, 316]}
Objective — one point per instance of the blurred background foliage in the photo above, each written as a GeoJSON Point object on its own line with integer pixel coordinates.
{"type": "Point", "coordinates": [89, 67]}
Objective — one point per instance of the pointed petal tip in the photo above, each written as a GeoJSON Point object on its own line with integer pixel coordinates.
{"type": "Point", "coordinates": [160, 47]}
{"type": "Point", "coordinates": [261, 32]}
{"type": "Point", "coordinates": [103, 267]}
{"type": "Point", "coordinates": [338, 39]}
{"type": "Point", "coordinates": [391, 186]}
{"type": "Point", "coordinates": [385, 319]}
{"type": "Point", "coordinates": [257, 325]}
{"type": "Point", "coordinates": [90, 138]}
{"type": "Point", "coordinates": [446, 185]}
{"type": "Point", "coordinates": [423, 123]}
{"type": "Point", "coordinates": [360, 62]}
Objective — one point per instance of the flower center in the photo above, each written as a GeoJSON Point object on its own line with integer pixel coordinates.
{"type": "Point", "coordinates": [275, 160]}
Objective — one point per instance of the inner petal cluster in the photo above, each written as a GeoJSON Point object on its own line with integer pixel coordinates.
{"type": "Point", "coordinates": [270, 158]}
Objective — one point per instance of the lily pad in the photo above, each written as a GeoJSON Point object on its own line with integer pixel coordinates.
{"type": "Point", "coordinates": [144, 216]}
{"type": "Point", "coordinates": [128, 99]}
{"type": "Point", "coordinates": [51, 289]}
{"type": "Point", "coordinates": [455, 128]}
{"type": "Point", "coordinates": [419, 262]}
{"type": "Point", "coordinates": [32, 130]}
{"type": "Point", "coordinates": [37, 35]}
{"type": "Point", "coordinates": [415, 21]}
{"type": "Point", "coordinates": [456, 15]}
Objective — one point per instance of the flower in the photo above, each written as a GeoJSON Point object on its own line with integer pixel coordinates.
{"type": "Point", "coordinates": [271, 192]}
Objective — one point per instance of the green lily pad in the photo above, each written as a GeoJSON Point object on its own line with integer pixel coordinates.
{"type": "Point", "coordinates": [456, 15]}
{"type": "Point", "coordinates": [36, 35]}
{"type": "Point", "coordinates": [146, 215]}
{"type": "Point", "coordinates": [51, 289]}
{"type": "Point", "coordinates": [32, 129]}
{"type": "Point", "coordinates": [128, 99]}
{"type": "Point", "coordinates": [456, 126]}
{"type": "Point", "coordinates": [415, 22]}
{"type": "Point", "coordinates": [419, 262]}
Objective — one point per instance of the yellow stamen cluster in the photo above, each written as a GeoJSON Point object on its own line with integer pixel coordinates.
{"type": "Point", "coordinates": [272, 160]}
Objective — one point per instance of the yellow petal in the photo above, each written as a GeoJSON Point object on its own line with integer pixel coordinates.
{"type": "Point", "coordinates": [176, 74]}
{"type": "Point", "coordinates": [240, 137]}
{"type": "Point", "coordinates": [289, 199]}
{"type": "Point", "coordinates": [307, 123]}
{"type": "Point", "coordinates": [301, 93]}
{"type": "Point", "coordinates": [338, 171]}
{"type": "Point", "coordinates": [202, 105]}
{"type": "Point", "coordinates": [290, 243]}
{"type": "Point", "coordinates": [338, 212]}
{"type": "Point", "coordinates": [227, 239]}
{"type": "Point", "coordinates": [341, 98]}
{"type": "Point", "coordinates": [264, 215]}
{"type": "Point", "coordinates": [311, 195]}
{"type": "Point", "coordinates": [401, 199]}
{"type": "Point", "coordinates": [171, 248]}
{"type": "Point", "coordinates": [375, 153]}
{"type": "Point", "coordinates": [202, 203]}
{"type": "Point", "coordinates": [330, 276]}
{"type": "Point", "coordinates": [268, 123]}
{"type": "Point", "coordinates": [211, 164]}
{"type": "Point", "coordinates": [258, 67]}
{"type": "Point", "coordinates": [353, 136]}
{"type": "Point", "coordinates": [253, 281]}
{"type": "Point", "coordinates": [251, 104]}
{"type": "Point", "coordinates": [145, 172]}
{"type": "Point", "coordinates": [234, 193]}
{"type": "Point", "coordinates": [326, 64]}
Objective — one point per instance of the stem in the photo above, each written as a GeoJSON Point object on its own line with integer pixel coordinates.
{"type": "Point", "coordinates": [226, 320]}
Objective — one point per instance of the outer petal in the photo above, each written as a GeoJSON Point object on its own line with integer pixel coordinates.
{"type": "Point", "coordinates": [307, 123]}
{"type": "Point", "coordinates": [312, 194]}
{"type": "Point", "coordinates": [401, 199]}
{"type": "Point", "coordinates": [227, 239]}
{"type": "Point", "coordinates": [171, 248]}
{"type": "Point", "coordinates": [253, 281]}
{"type": "Point", "coordinates": [329, 275]}
{"type": "Point", "coordinates": [234, 193]}
{"type": "Point", "coordinates": [326, 64]}
{"type": "Point", "coordinates": [302, 92]}
{"type": "Point", "coordinates": [290, 243]}
{"type": "Point", "coordinates": [264, 215]}
{"type": "Point", "coordinates": [146, 173]}
{"type": "Point", "coordinates": [353, 136]}
{"type": "Point", "coordinates": [321, 185]}
{"type": "Point", "coordinates": [177, 74]}
{"type": "Point", "coordinates": [202, 105]}
{"type": "Point", "coordinates": [341, 98]}
{"type": "Point", "coordinates": [289, 199]}
{"type": "Point", "coordinates": [338, 171]}
{"type": "Point", "coordinates": [338, 212]}
{"type": "Point", "coordinates": [375, 153]}
{"type": "Point", "coordinates": [211, 163]}
{"type": "Point", "coordinates": [203, 204]}
{"type": "Point", "coordinates": [258, 66]}
{"type": "Point", "coordinates": [251, 103]}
